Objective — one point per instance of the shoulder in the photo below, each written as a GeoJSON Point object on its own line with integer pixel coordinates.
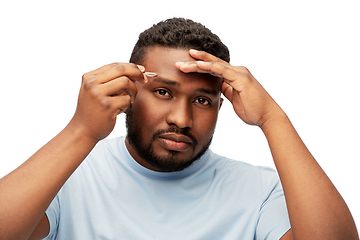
{"type": "Point", "coordinates": [107, 150]}
{"type": "Point", "coordinates": [107, 146]}
{"type": "Point", "coordinates": [248, 175]}
{"type": "Point", "coordinates": [228, 165]}
{"type": "Point", "coordinates": [100, 163]}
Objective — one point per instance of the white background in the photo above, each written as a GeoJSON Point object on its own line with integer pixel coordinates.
{"type": "Point", "coordinates": [305, 53]}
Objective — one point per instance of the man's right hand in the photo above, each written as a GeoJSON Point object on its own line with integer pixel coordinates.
{"type": "Point", "coordinates": [105, 93]}
{"type": "Point", "coordinates": [27, 192]}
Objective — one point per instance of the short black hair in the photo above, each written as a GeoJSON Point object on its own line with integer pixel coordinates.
{"type": "Point", "coordinates": [179, 33]}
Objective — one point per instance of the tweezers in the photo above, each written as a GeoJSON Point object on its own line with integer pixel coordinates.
{"type": "Point", "coordinates": [150, 74]}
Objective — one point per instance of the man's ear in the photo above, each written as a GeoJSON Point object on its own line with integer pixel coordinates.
{"type": "Point", "coordinates": [221, 102]}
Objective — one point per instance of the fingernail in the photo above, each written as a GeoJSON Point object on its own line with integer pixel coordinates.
{"type": "Point", "coordinates": [179, 63]}
{"type": "Point", "coordinates": [142, 68]}
{"type": "Point", "coordinates": [204, 63]}
{"type": "Point", "coordinates": [194, 51]}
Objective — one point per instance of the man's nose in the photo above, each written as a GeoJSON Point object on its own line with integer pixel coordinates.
{"type": "Point", "coordinates": [180, 114]}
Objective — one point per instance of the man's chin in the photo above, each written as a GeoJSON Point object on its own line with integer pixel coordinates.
{"type": "Point", "coordinates": [170, 166]}
{"type": "Point", "coordinates": [169, 161]}
{"type": "Point", "coordinates": [172, 161]}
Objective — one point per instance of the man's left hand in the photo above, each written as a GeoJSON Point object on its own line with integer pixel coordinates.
{"type": "Point", "coordinates": [250, 100]}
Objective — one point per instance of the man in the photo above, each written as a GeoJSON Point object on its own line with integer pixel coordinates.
{"type": "Point", "coordinates": [161, 181]}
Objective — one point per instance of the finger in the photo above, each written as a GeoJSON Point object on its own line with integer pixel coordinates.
{"type": "Point", "coordinates": [98, 70]}
{"type": "Point", "coordinates": [204, 56]}
{"type": "Point", "coordinates": [188, 67]}
{"type": "Point", "coordinates": [116, 70]}
{"type": "Point", "coordinates": [219, 69]}
{"type": "Point", "coordinates": [105, 68]}
{"type": "Point", "coordinates": [142, 69]}
{"type": "Point", "coordinates": [121, 103]}
{"type": "Point", "coordinates": [119, 86]}
{"type": "Point", "coordinates": [226, 90]}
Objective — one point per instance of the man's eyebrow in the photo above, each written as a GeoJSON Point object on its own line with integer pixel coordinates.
{"type": "Point", "coordinates": [207, 91]}
{"type": "Point", "coordinates": [174, 83]}
{"type": "Point", "coordinates": [167, 81]}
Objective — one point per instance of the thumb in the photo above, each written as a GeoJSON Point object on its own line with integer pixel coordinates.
{"type": "Point", "coordinates": [227, 90]}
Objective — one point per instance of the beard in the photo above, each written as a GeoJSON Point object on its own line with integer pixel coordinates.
{"type": "Point", "coordinates": [168, 163]}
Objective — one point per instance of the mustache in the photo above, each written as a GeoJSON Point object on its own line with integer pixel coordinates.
{"type": "Point", "coordinates": [184, 132]}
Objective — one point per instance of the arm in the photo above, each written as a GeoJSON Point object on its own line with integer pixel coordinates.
{"type": "Point", "coordinates": [27, 192]}
{"type": "Point", "coordinates": [313, 202]}
{"type": "Point", "coordinates": [316, 209]}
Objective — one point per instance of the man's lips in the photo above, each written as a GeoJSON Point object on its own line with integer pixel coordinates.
{"type": "Point", "coordinates": [175, 142]}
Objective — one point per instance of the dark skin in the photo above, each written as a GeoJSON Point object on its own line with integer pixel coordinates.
{"type": "Point", "coordinates": [315, 207]}
{"type": "Point", "coordinates": [175, 100]}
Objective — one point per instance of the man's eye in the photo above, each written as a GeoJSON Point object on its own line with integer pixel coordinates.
{"type": "Point", "coordinates": [203, 101]}
{"type": "Point", "coordinates": [162, 92]}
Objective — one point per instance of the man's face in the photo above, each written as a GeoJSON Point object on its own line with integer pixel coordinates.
{"type": "Point", "coordinates": [172, 119]}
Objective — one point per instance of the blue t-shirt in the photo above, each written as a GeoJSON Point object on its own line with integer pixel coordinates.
{"type": "Point", "coordinates": [111, 196]}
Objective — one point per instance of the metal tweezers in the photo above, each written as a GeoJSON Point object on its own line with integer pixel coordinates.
{"type": "Point", "coordinates": [150, 74]}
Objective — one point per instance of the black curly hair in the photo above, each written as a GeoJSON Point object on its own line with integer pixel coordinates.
{"type": "Point", "coordinates": [179, 33]}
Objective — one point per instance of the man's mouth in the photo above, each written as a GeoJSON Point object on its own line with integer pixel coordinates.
{"type": "Point", "coordinates": [175, 142]}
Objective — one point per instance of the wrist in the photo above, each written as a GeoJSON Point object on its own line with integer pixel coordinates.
{"type": "Point", "coordinates": [79, 132]}
{"type": "Point", "coordinates": [274, 120]}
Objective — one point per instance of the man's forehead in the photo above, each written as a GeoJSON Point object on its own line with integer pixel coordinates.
{"type": "Point", "coordinates": [162, 61]}
{"type": "Point", "coordinates": [166, 56]}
